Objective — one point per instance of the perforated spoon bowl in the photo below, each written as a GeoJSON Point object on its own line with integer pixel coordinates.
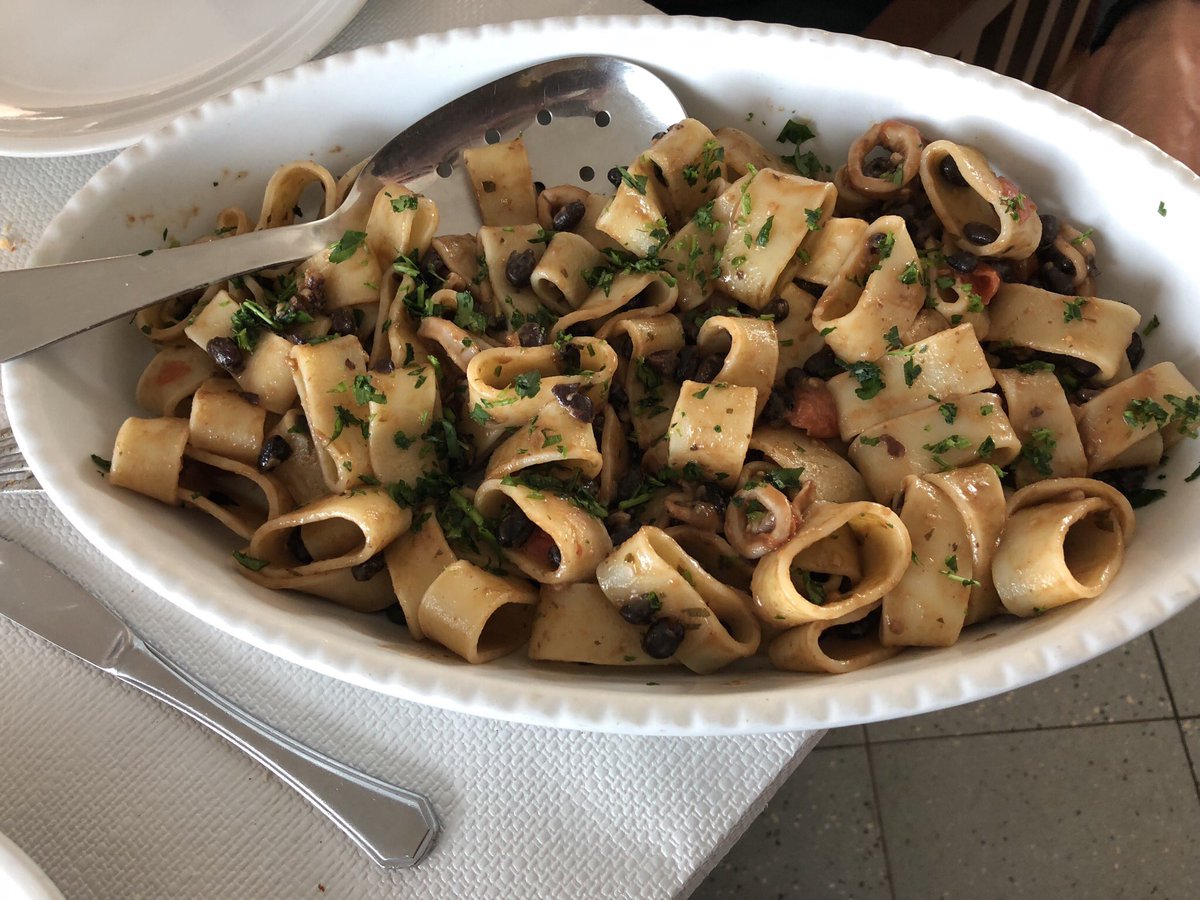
{"type": "Point", "coordinates": [603, 106]}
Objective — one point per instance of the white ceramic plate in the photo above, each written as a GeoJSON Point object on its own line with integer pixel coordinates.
{"type": "Point", "coordinates": [20, 877]}
{"type": "Point", "coordinates": [69, 400]}
{"type": "Point", "coordinates": [82, 77]}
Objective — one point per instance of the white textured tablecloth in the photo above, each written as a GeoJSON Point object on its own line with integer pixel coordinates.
{"type": "Point", "coordinates": [116, 796]}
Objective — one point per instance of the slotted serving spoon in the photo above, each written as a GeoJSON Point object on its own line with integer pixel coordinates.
{"type": "Point", "coordinates": [607, 106]}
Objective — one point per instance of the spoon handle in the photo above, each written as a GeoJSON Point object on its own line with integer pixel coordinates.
{"type": "Point", "coordinates": [54, 302]}
{"type": "Point", "coordinates": [394, 826]}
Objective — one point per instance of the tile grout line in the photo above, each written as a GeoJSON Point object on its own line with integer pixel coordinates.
{"type": "Point", "coordinates": [1033, 730]}
{"type": "Point", "coordinates": [1187, 753]}
{"type": "Point", "coordinates": [887, 860]}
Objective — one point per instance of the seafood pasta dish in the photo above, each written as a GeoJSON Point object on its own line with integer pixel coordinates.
{"type": "Point", "coordinates": [743, 403]}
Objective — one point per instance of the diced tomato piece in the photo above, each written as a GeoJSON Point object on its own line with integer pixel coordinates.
{"type": "Point", "coordinates": [814, 410]}
{"type": "Point", "coordinates": [985, 280]}
{"type": "Point", "coordinates": [538, 547]}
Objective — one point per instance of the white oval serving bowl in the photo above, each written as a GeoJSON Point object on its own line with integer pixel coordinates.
{"type": "Point", "coordinates": [68, 401]}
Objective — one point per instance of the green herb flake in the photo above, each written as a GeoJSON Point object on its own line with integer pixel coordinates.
{"type": "Point", "coordinates": [1078, 240]}
{"type": "Point", "coordinates": [1162, 208]}
{"type": "Point", "coordinates": [795, 132]}
{"type": "Point", "coordinates": [366, 392]}
{"type": "Point", "coordinates": [408, 201]}
{"type": "Point", "coordinates": [1143, 411]}
{"type": "Point", "coordinates": [527, 384]}
{"type": "Point", "coordinates": [250, 562]}
{"type": "Point", "coordinates": [813, 218]}
{"type": "Point", "coordinates": [1151, 326]}
{"type": "Point", "coordinates": [764, 233]}
{"type": "Point", "coordinates": [949, 412]}
{"type": "Point", "coordinates": [1073, 309]}
{"type": "Point", "coordinates": [346, 246]}
{"type": "Point", "coordinates": [1038, 451]}
{"type": "Point", "coordinates": [869, 377]}
{"type": "Point", "coordinates": [104, 465]}
{"type": "Point", "coordinates": [892, 337]}
{"type": "Point", "coordinates": [1145, 496]}
{"type": "Point", "coordinates": [911, 371]}
{"type": "Point", "coordinates": [635, 182]}
{"type": "Point", "coordinates": [951, 572]}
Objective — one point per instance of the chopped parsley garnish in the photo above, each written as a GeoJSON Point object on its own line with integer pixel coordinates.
{"type": "Point", "coordinates": [911, 371]}
{"type": "Point", "coordinates": [949, 412]}
{"type": "Point", "coordinates": [1195, 473]}
{"type": "Point", "coordinates": [953, 442]}
{"type": "Point", "coordinates": [783, 479]}
{"type": "Point", "coordinates": [250, 562]}
{"type": "Point", "coordinates": [892, 336]}
{"type": "Point", "coordinates": [813, 218]}
{"type": "Point", "coordinates": [703, 217]}
{"type": "Point", "coordinates": [974, 301]}
{"type": "Point", "coordinates": [1078, 240]}
{"type": "Point", "coordinates": [911, 273]}
{"type": "Point", "coordinates": [1037, 365]}
{"type": "Point", "coordinates": [1151, 326]}
{"type": "Point", "coordinates": [480, 415]}
{"type": "Point", "coordinates": [870, 441]}
{"type": "Point", "coordinates": [764, 233]}
{"type": "Point", "coordinates": [466, 316]}
{"type": "Point", "coordinates": [1038, 450]}
{"type": "Point", "coordinates": [366, 392]}
{"type": "Point", "coordinates": [702, 393]}
{"type": "Point", "coordinates": [599, 277]}
{"type": "Point", "coordinates": [408, 201]}
{"type": "Point", "coordinates": [808, 164]}
{"type": "Point", "coordinates": [1143, 411]}
{"type": "Point", "coordinates": [574, 490]}
{"type": "Point", "coordinates": [868, 376]}
{"type": "Point", "coordinates": [813, 590]}
{"type": "Point", "coordinates": [951, 572]}
{"type": "Point", "coordinates": [986, 447]}
{"type": "Point", "coordinates": [527, 384]}
{"type": "Point", "coordinates": [1185, 412]}
{"type": "Point", "coordinates": [346, 246]}
{"type": "Point", "coordinates": [1014, 205]}
{"type": "Point", "coordinates": [104, 465]}
{"type": "Point", "coordinates": [1073, 309]}
{"type": "Point", "coordinates": [1162, 208]}
{"type": "Point", "coordinates": [543, 236]}
{"type": "Point", "coordinates": [342, 418]}
{"type": "Point", "coordinates": [402, 440]}
{"type": "Point", "coordinates": [635, 182]}
{"type": "Point", "coordinates": [404, 265]}
{"type": "Point", "coordinates": [796, 132]}
{"type": "Point", "coordinates": [1145, 496]}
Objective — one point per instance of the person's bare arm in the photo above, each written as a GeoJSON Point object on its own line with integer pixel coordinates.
{"type": "Point", "coordinates": [1147, 77]}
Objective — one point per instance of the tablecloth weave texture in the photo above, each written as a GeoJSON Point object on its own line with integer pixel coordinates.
{"type": "Point", "coordinates": [117, 796]}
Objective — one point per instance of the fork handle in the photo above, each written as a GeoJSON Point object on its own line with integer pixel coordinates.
{"type": "Point", "coordinates": [395, 827]}
{"type": "Point", "coordinates": [55, 302]}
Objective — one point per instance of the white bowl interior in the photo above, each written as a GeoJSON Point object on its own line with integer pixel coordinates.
{"type": "Point", "coordinates": [67, 401]}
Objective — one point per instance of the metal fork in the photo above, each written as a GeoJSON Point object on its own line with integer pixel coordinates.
{"type": "Point", "coordinates": [15, 474]}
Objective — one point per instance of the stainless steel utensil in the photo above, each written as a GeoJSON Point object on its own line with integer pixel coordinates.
{"type": "Point", "coordinates": [579, 117]}
{"type": "Point", "coordinates": [395, 827]}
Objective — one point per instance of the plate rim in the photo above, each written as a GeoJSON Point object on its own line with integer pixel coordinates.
{"type": "Point", "coordinates": [588, 705]}
{"type": "Point", "coordinates": [286, 50]}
